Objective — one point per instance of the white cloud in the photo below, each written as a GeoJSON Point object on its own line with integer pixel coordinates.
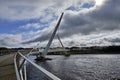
{"type": "Point", "coordinates": [22, 9]}
{"type": "Point", "coordinates": [31, 9]}
{"type": "Point", "coordinates": [31, 25]}
{"type": "Point", "coordinates": [10, 40]}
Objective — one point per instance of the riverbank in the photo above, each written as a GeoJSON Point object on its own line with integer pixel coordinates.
{"type": "Point", "coordinates": [81, 53]}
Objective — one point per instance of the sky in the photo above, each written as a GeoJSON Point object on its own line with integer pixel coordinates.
{"type": "Point", "coordinates": [27, 23]}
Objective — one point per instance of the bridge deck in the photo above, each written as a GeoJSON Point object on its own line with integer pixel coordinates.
{"type": "Point", "coordinates": [7, 71]}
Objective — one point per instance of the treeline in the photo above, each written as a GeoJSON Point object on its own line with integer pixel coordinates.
{"type": "Point", "coordinates": [5, 51]}
{"type": "Point", "coordinates": [108, 49]}
{"type": "Point", "coordinates": [90, 50]}
{"type": "Point", "coordinates": [96, 49]}
{"type": "Point", "coordinates": [4, 48]}
{"type": "Point", "coordinates": [72, 50]}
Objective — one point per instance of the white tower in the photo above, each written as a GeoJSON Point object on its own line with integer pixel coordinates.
{"type": "Point", "coordinates": [52, 37]}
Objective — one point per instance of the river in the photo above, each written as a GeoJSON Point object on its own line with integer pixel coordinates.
{"type": "Point", "coordinates": [78, 67]}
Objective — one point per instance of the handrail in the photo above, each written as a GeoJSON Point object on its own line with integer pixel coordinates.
{"type": "Point", "coordinates": [16, 68]}
{"type": "Point", "coordinates": [18, 76]}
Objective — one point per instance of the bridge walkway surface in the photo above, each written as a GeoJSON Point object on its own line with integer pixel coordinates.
{"type": "Point", "coordinates": [7, 71]}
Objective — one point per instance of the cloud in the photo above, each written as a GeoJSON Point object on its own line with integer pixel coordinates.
{"type": "Point", "coordinates": [41, 35]}
{"type": "Point", "coordinates": [10, 40]}
{"type": "Point", "coordinates": [24, 9]}
{"type": "Point", "coordinates": [78, 25]}
{"type": "Point", "coordinates": [101, 39]}
{"type": "Point", "coordinates": [31, 25]}
{"type": "Point", "coordinates": [115, 40]}
{"type": "Point", "coordinates": [97, 19]}
{"type": "Point", "coordinates": [31, 9]}
{"type": "Point", "coordinates": [104, 39]}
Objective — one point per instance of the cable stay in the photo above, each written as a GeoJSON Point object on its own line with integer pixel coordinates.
{"type": "Point", "coordinates": [66, 53]}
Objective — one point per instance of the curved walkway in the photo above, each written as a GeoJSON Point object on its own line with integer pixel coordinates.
{"type": "Point", "coordinates": [7, 71]}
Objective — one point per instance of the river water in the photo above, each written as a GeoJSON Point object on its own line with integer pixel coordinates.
{"type": "Point", "coordinates": [78, 67]}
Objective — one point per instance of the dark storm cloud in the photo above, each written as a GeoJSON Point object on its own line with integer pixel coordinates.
{"type": "Point", "coordinates": [105, 17]}
{"type": "Point", "coordinates": [108, 12]}
{"type": "Point", "coordinates": [113, 40]}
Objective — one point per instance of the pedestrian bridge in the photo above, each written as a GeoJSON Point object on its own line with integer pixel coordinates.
{"type": "Point", "coordinates": [20, 59]}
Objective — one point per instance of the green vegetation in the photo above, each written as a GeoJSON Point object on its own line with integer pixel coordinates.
{"type": "Point", "coordinates": [5, 51]}
{"type": "Point", "coordinates": [90, 50]}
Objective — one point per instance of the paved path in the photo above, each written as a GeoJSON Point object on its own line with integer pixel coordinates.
{"type": "Point", "coordinates": [7, 71]}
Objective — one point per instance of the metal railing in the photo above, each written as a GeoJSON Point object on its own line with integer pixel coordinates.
{"type": "Point", "coordinates": [19, 66]}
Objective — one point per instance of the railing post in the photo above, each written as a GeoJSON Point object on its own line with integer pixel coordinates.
{"type": "Point", "coordinates": [25, 75]}
{"type": "Point", "coordinates": [16, 68]}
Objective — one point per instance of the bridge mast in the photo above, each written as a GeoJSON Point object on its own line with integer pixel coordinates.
{"type": "Point", "coordinates": [52, 37]}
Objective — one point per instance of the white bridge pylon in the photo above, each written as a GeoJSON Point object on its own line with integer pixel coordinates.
{"type": "Point", "coordinates": [52, 37]}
